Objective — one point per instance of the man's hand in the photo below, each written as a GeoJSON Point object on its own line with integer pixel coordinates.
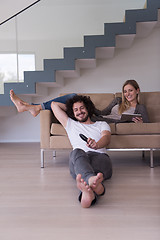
{"type": "Point", "coordinates": [103, 141]}
{"type": "Point", "coordinates": [91, 143]}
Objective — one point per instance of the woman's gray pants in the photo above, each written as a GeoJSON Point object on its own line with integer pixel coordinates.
{"type": "Point", "coordinates": [89, 164]}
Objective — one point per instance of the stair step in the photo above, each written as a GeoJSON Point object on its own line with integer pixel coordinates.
{"type": "Point", "coordinates": [145, 28]}
{"type": "Point", "coordinates": [158, 22]}
{"type": "Point", "coordinates": [86, 63]}
{"type": "Point", "coordinates": [125, 41]}
{"type": "Point", "coordinates": [105, 52]}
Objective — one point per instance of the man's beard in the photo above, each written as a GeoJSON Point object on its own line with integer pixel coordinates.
{"type": "Point", "coordinates": [83, 119]}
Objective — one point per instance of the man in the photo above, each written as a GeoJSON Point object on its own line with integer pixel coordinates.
{"type": "Point", "coordinates": [89, 164]}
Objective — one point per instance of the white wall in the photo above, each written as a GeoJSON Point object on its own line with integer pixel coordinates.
{"type": "Point", "coordinates": [140, 62]}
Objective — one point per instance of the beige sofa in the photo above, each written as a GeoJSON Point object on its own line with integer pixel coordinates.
{"type": "Point", "coordinates": [125, 136]}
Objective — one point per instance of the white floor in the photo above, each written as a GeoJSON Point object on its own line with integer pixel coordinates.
{"type": "Point", "coordinates": [38, 204]}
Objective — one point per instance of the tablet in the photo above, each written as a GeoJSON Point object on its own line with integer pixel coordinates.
{"type": "Point", "coordinates": [128, 116]}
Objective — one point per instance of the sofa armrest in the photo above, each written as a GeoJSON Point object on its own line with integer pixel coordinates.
{"type": "Point", "coordinates": [46, 119]}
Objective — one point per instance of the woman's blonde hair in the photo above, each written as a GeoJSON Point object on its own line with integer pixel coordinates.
{"type": "Point", "coordinates": [125, 104]}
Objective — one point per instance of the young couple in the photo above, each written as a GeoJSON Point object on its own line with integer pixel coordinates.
{"type": "Point", "coordinates": [88, 163]}
{"type": "Point", "coordinates": [129, 103]}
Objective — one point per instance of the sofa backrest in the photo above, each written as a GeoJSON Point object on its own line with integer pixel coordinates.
{"type": "Point", "coordinates": [101, 100]}
{"type": "Point", "coordinates": [152, 102]}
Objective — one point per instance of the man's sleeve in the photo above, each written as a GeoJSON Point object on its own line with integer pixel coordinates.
{"type": "Point", "coordinates": [105, 127]}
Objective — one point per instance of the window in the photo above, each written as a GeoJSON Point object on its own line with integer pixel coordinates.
{"type": "Point", "coordinates": [11, 68]}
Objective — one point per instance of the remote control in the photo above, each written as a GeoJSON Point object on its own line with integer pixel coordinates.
{"type": "Point", "coordinates": [83, 137]}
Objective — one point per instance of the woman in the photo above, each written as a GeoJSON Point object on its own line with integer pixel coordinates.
{"type": "Point", "coordinates": [128, 104]}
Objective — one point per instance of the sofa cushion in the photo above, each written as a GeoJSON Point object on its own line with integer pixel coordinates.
{"type": "Point", "coordinates": [113, 128]}
{"type": "Point", "coordinates": [134, 141]}
{"type": "Point", "coordinates": [60, 142]}
{"type": "Point", "coordinates": [58, 129]}
{"type": "Point", "coordinates": [137, 128]}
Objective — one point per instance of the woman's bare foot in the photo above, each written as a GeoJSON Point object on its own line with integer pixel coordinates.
{"type": "Point", "coordinates": [95, 182]}
{"type": "Point", "coordinates": [87, 193]}
{"type": "Point", "coordinates": [14, 98]}
{"type": "Point", "coordinates": [19, 103]}
{"type": "Point", "coordinates": [24, 106]}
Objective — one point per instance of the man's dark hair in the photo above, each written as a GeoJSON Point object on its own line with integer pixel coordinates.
{"type": "Point", "coordinates": [79, 98]}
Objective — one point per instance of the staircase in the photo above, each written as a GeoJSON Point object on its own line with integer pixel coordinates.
{"type": "Point", "coordinates": [137, 23]}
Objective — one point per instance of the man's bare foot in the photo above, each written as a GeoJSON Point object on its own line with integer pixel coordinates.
{"type": "Point", "coordinates": [95, 182]}
{"type": "Point", "coordinates": [24, 106]}
{"type": "Point", "coordinates": [87, 193]}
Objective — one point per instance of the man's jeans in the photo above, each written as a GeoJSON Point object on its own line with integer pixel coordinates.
{"type": "Point", "coordinates": [89, 164]}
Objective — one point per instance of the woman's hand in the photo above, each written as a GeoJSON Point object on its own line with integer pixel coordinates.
{"type": "Point", "coordinates": [137, 120]}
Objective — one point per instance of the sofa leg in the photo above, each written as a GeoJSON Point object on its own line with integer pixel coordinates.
{"type": "Point", "coordinates": [54, 155]}
{"type": "Point", "coordinates": [151, 158]}
{"type": "Point", "coordinates": [143, 154]}
{"type": "Point", "coordinates": [42, 158]}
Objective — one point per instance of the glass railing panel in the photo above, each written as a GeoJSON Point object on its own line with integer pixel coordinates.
{"type": "Point", "coordinates": [8, 61]}
{"type": "Point", "coordinates": [13, 62]}
{"type": "Point", "coordinates": [38, 32]}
